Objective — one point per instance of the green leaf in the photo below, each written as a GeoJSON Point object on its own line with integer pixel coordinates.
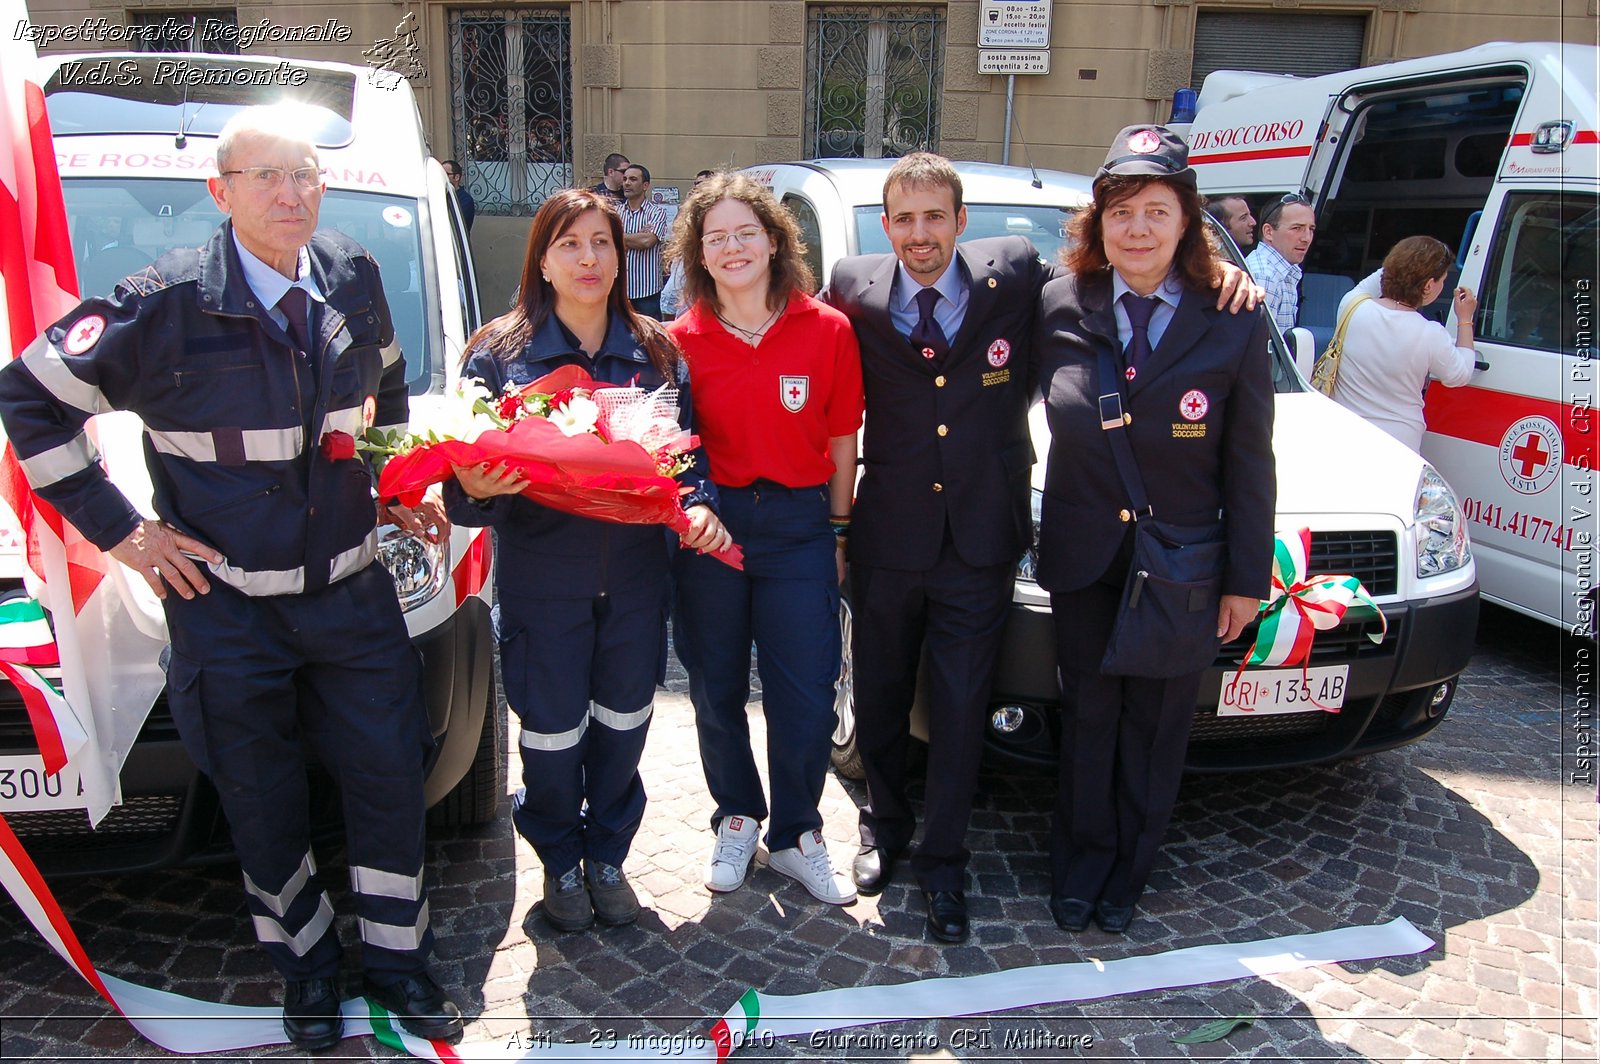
{"type": "Point", "coordinates": [1214, 1031]}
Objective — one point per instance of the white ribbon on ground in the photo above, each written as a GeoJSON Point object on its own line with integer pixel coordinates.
{"type": "Point", "coordinates": [188, 1026]}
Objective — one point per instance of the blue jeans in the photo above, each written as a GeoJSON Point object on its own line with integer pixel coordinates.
{"type": "Point", "coordinates": [787, 600]}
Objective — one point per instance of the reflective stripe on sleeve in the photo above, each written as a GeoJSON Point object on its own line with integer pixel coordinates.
{"type": "Point", "coordinates": [346, 420]}
{"type": "Point", "coordinates": [399, 937]}
{"type": "Point", "coordinates": [44, 361]}
{"type": "Point", "coordinates": [621, 721]}
{"type": "Point", "coordinates": [258, 445]}
{"type": "Point", "coordinates": [270, 930]}
{"type": "Point", "coordinates": [59, 463]}
{"type": "Point", "coordinates": [390, 354]}
{"type": "Point", "coordinates": [378, 883]}
{"type": "Point", "coordinates": [279, 903]}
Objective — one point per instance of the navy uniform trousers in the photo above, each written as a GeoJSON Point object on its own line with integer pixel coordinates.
{"type": "Point", "coordinates": [250, 681]}
{"type": "Point", "coordinates": [787, 600]}
{"type": "Point", "coordinates": [960, 611]}
{"type": "Point", "coordinates": [581, 675]}
{"type": "Point", "coordinates": [1123, 741]}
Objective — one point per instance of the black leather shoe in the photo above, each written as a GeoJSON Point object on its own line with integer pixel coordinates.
{"type": "Point", "coordinates": [947, 915]}
{"type": "Point", "coordinates": [872, 870]}
{"type": "Point", "coordinates": [311, 1013]}
{"type": "Point", "coordinates": [1072, 914]}
{"type": "Point", "coordinates": [420, 1006]}
{"type": "Point", "coordinates": [1113, 919]}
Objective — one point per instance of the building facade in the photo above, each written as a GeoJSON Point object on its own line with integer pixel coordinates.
{"type": "Point", "coordinates": [533, 96]}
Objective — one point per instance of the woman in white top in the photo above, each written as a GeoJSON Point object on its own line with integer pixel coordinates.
{"type": "Point", "coordinates": [1390, 349]}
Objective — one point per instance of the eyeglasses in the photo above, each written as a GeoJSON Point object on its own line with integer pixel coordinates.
{"type": "Point", "coordinates": [270, 178]}
{"type": "Point", "coordinates": [745, 235]}
{"type": "Point", "coordinates": [452, 173]}
{"type": "Point", "coordinates": [1271, 214]}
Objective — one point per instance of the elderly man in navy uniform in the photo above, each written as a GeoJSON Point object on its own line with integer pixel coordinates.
{"type": "Point", "coordinates": [942, 514]}
{"type": "Point", "coordinates": [252, 361]}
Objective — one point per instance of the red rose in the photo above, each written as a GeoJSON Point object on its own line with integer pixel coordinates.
{"type": "Point", "coordinates": [338, 446]}
{"type": "Point", "coordinates": [509, 408]}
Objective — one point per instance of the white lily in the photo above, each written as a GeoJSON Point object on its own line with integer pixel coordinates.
{"type": "Point", "coordinates": [577, 417]}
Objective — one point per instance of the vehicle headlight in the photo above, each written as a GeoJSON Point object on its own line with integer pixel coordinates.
{"type": "Point", "coordinates": [419, 568]}
{"type": "Point", "coordinates": [1028, 567]}
{"type": "Point", "coordinates": [1442, 544]}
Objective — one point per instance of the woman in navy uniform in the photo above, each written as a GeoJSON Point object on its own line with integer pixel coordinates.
{"type": "Point", "coordinates": [1199, 395]}
{"type": "Point", "coordinates": [582, 604]}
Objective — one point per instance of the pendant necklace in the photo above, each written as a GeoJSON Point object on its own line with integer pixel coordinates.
{"type": "Point", "coordinates": [752, 336]}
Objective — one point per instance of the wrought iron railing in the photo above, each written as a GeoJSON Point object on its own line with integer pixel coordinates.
{"type": "Point", "coordinates": [873, 77]}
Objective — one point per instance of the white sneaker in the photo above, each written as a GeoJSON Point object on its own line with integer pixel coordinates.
{"type": "Point", "coordinates": [808, 865]}
{"type": "Point", "coordinates": [737, 837]}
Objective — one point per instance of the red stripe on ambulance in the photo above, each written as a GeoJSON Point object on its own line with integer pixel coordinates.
{"type": "Point", "coordinates": [1479, 415]}
{"type": "Point", "coordinates": [1247, 156]}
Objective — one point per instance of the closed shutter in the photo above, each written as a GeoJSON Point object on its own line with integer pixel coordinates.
{"type": "Point", "coordinates": [1276, 42]}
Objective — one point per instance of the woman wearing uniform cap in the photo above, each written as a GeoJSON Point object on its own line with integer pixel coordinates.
{"type": "Point", "coordinates": [1198, 403]}
{"type": "Point", "coordinates": [777, 379]}
{"type": "Point", "coordinates": [581, 608]}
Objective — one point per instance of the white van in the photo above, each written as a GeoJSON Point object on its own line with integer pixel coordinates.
{"type": "Point", "coordinates": [1386, 518]}
{"type": "Point", "coordinates": [135, 138]}
{"type": "Point", "coordinates": [1494, 151]}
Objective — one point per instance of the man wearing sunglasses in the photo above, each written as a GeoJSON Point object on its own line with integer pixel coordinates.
{"type": "Point", "coordinates": [610, 184]}
{"type": "Point", "coordinates": [1288, 226]}
{"type": "Point", "coordinates": [253, 361]}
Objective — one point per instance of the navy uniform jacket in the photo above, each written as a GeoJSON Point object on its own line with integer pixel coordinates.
{"type": "Point", "coordinates": [1201, 433]}
{"type": "Point", "coordinates": [545, 553]}
{"type": "Point", "coordinates": [946, 444]}
{"type": "Point", "coordinates": [233, 417]}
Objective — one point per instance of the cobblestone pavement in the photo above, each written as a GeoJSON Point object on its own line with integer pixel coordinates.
{"type": "Point", "coordinates": [1477, 835]}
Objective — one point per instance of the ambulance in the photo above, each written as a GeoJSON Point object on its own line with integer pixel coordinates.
{"type": "Point", "coordinates": [135, 137]}
{"type": "Point", "coordinates": [1494, 151]}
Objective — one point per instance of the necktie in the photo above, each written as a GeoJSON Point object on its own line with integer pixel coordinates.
{"type": "Point", "coordinates": [1139, 310]}
{"type": "Point", "coordinates": [295, 306]}
{"type": "Point", "coordinates": [926, 336]}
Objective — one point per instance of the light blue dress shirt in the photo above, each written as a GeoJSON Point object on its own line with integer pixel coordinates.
{"type": "Point", "coordinates": [950, 311]}
{"type": "Point", "coordinates": [1168, 295]}
{"type": "Point", "coordinates": [270, 286]}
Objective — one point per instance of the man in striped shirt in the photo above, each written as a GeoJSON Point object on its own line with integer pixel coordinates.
{"type": "Point", "coordinates": [644, 228]}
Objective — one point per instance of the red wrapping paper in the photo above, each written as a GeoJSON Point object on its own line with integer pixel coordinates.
{"type": "Point", "coordinates": [581, 474]}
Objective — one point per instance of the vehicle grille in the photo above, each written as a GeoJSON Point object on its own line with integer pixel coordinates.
{"type": "Point", "coordinates": [1349, 640]}
{"type": "Point", "coordinates": [1371, 557]}
{"type": "Point", "coordinates": [150, 817]}
{"type": "Point", "coordinates": [1265, 730]}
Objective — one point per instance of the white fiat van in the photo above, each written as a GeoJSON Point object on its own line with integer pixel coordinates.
{"type": "Point", "coordinates": [1494, 151]}
{"type": "Point", "coordinates": [135, 138]}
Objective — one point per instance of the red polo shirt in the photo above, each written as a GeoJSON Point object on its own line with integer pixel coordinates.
{"type": "Point", "coordinates": [768, 411]}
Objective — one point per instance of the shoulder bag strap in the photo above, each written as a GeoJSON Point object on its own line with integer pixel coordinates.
{"type": "Point", "coordinates": [1114, 422]}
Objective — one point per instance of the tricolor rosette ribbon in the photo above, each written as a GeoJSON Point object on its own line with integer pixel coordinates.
{"type": "Point", "coordinates": [1301, 605]}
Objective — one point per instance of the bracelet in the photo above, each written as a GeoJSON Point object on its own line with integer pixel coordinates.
{"type": "Point", "coordinates": [840, 524]}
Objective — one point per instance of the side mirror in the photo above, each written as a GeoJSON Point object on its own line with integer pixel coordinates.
{"type": "Point", "coordinates": [1304, 346]}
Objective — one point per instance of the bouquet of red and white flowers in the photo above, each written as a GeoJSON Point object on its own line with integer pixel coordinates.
{"type": "Point", "coordinates": [597, 450]}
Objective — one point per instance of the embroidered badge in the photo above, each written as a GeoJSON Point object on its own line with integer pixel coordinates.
{"type": "Point", "coordinates": [369, 411]}
{"type": "Point", "coordinates": [1144, 142]}
{"type": "Point", "coordinates": [794, 391]}
{"type": "Point", "coordinates": [83, 334]}
{"type": "Point", "coordinates": [1183, 430]}
{"type": "Point", "coordinates": [1193, 405]}
{"type": "Point", "coordinates": [999, 353]}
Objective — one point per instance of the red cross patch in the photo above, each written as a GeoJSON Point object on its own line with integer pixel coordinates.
{"type": "Point", "coordinates": [927, 352]}
{"type": "Point", "coordinates": [1193, 405]}
{"type": "Point", "coordinates": [999, 352]}
{"type": "Point", "coordinates": [1130, 373]}
{"type": "Point", "coordinates": [83, 334]}
{"type": "Point", "coordinates": [794, 391]}
{"type": "Point", "coordinates": [1144, 142]}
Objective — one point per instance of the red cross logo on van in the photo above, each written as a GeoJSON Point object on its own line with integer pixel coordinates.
{"type": "Point", "coordinates": [1530, 455]}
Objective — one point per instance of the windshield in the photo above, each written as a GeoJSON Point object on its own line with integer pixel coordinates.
{"type": "Point", "coordinates": [1046, 227]}
{"type": "Point", "coordinates": [119, 227]}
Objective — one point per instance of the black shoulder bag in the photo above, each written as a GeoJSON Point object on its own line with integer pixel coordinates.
{"type": "Point", "coordinates": [1166, 624]}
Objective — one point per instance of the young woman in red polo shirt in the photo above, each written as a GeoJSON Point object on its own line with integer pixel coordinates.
{"type": "Point", "coordinates": [778, 401]}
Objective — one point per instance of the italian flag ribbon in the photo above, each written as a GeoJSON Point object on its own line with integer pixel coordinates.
{"type": "Point", "coordinates": [56, 727]}
{"type": "Point", "coordinates": [25, 635]}
{"type": "Point", "coordinates": [1301, 605]}
{"type": "Point", "coordinates": [823, 1019]}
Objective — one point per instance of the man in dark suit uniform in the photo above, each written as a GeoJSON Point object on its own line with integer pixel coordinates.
{"type": "Point", "coordinates": [941, 515]}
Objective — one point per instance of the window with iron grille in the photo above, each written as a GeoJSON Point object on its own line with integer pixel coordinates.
{"type": "Point", "coordinates": [873, 78]}
{"type": "Point", "coordinates": [511, 104]}
{"type": "Point", "coordinates": [212, 29]}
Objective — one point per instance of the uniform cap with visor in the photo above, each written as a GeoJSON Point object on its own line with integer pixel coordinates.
{"type": "Point", "coordinates": [1148, 151]}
